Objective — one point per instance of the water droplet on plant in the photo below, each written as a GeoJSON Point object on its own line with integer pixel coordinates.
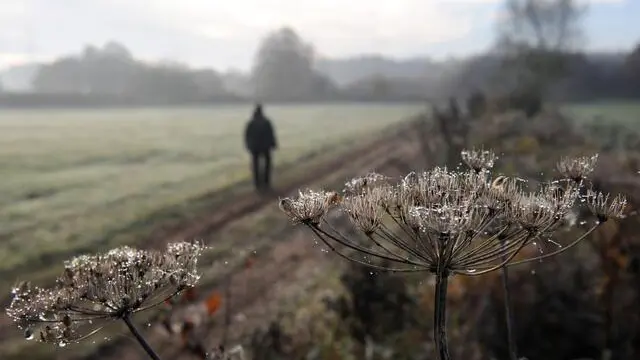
{"type": "Point", "coordinates": [28, 334]}
{"type": "Point", "coordinates": [62, 344]}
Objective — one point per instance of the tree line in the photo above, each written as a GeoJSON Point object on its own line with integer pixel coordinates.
{"type": "Point", "coordinates": [536, 53]}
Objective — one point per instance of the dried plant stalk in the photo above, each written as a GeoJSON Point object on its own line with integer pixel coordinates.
{"type": "Point", "coordinates": [95, 289]}
{"type": "Point", "coordinates": [450, 222]}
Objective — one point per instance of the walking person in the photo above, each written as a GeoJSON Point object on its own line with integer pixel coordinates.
{"type": "Point", "coordinates": [260, 140]}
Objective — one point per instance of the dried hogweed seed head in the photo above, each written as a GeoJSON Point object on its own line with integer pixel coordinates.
{"type": "Point", "coordinates": [447, 219]}
{"type": "Point", "coordinates": [499, 194]}
{"type": "Point", "coordinates": [360, 184]}
{"type": "Point", "coordinates": [309, 207]}
{"type": "Point", "coordinates": [463, 218]}
{"type": "Point", "coordinates": [533, 213]}
{"type": "Point", "coordinates": [97, 288]}
{"type": "Point", "coordinates": [408, 191]}
{"type": "Point", "coordinates": [479, 160]}
{"type": "Point", "coordinates": [435, 186]}
{"type": "Point", "coordinates": [367, 210]}
{"type": "Point", "coordinates": [605, 208]}
{"type": "Point", "coordinates": [561, 198]}
{"type": "Point", "coordinates": [578, 168]}
{"type": "Point", "coordinates": [470, 184]}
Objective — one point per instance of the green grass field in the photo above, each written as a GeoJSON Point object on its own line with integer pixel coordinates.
{"type": "Point", "coordinates": [622, 113]}
{"type": "Point", "coordinates": [72, 177]}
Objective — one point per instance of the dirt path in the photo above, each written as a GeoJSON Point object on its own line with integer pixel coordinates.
{"type": "Point", "coordinates": [280, 275]}
{"type": "Point", "coordinates": [250, 202]}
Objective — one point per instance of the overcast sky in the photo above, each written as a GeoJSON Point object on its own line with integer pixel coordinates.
{"type": "Point", "coordinates": [225, 34]}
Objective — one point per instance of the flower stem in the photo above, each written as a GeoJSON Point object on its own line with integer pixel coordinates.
{"type": "Point", "coordinates": [440, 316]}
{"type": "Point", "coordinates": [511, 342]}
{"type": "Point", "coordinates": [127, 320]}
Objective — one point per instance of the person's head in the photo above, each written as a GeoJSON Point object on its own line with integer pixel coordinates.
{"type": "Point", "coordinates": [257, 111]}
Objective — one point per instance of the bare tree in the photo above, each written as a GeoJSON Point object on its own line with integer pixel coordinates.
{"type": "Point", "coordinates": [284, 69]}
{"type": "Point", "coordinates": [631, 71]}
{"type": "Point", "coordinates": [536, 37]}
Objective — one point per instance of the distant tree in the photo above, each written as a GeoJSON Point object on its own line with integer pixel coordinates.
{"type": "Point", "coordinates": [535, 38]}
{"type": "Point", "coordinates": [381, 86]}
{"type": "Point", "coordinates": [108, 70]}
{"type": "Point", "coordinates": [95, 71]}
{"type": "Point", "coordinates": [632, 71]}
{"type": "Point", "coordinates": [64, 75]}
{"type": "Point", "coordinates": [116, 50]}
{"type": "Point", "coordinates": [476, 104]}
{"type": "Point", "coordinates": [633, 59]}
{"type": "Point", "coordinates": [374, 87]}
{"type": "Point", "coordinates": [165, 83]}
{"type": "Point", "coordinates": [284, 69]}
{"type": "Point", "coordinates": [113, 71]}
{"type": "Point", "coordinates": [208, 82]}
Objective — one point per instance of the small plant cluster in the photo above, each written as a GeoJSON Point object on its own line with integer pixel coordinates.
{"type": "Point", "coordinates": [94, 289]}
{"type": "Point", "coordinates": [451, 222]}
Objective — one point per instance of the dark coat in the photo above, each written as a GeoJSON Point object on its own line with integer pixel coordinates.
{"type": "Point", "coordinates": [259, 136]}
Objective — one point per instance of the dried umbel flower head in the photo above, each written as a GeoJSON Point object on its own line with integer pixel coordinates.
{"type": "Point", "coordinates": [605, 208]}
{"type": "Point", "coordinates": [479, 160]}
{"type": "Point", "coordinates": [449, 222]}
{"type": "Point", "coordinates": [446, 219]}
{"type": "Point", "coordinates": [536, 213]}
{"type": "Point", "coordinates": [577, 169]}
{"type": "Point", "coordinates": [465, 222]}
{"type": "Point", "coordinates": [97, 288]}
{"type": "Point", "coordinates": [366, 211]}
{"type": "Point", "coordinates": [500, 193]}
{"type": "Point", "coordinates": [309, 206]}
{"type": "Point", "coordinates": [360, 184]}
